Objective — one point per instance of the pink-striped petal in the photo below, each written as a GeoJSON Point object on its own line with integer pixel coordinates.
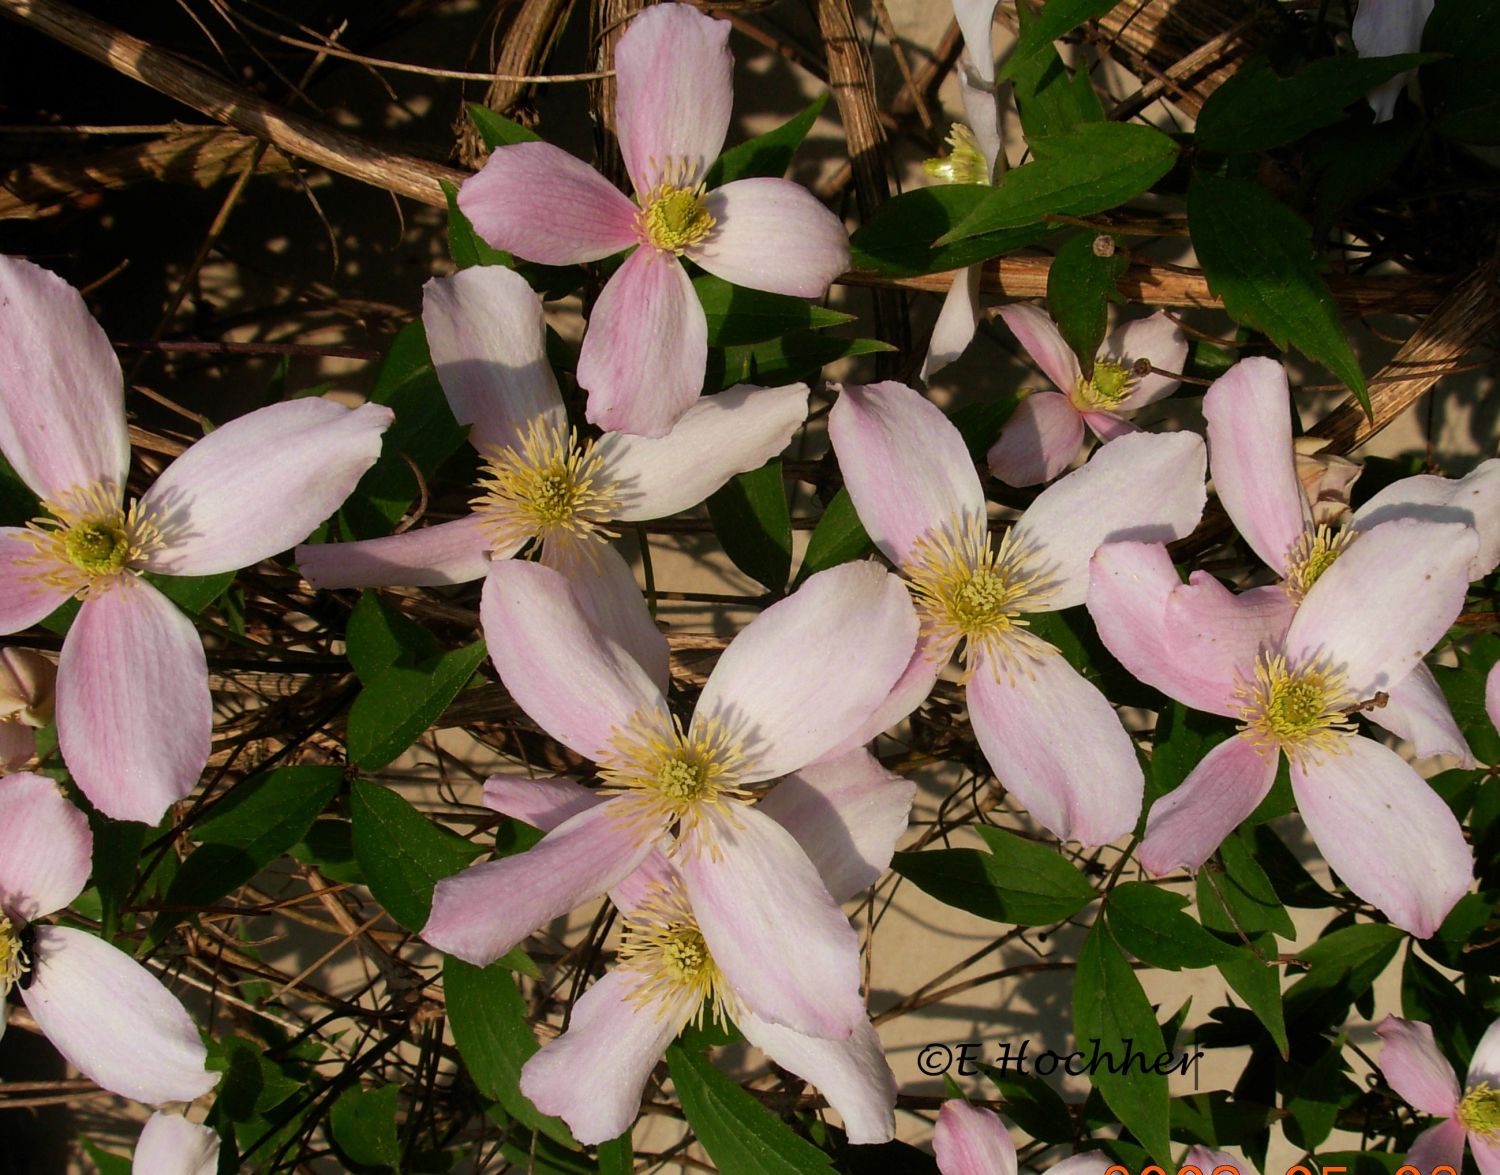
{"type": "Point", "coordinates": [1056, 744]}
{"type": "Point", "coordinates": [852, 1074]}
{"type": "Point", "coordinates": [773, 235]}
{"type": "Point", "coordinates": [956, 323]}
{"type": "Point", "coordinates": [1384, 602]}
{"type": "Point", "coordinates": [1417, 711]}
{"type": "Point", "coordinates": [1147, 487]}
{"type": "Point", "coordinates": [171, 1145]}
{"type": "Point", "coordinates": [1107, 426]}
{"type": "Point", "coordinates": [46, 848]}
{"type": "Point", "coordinates": [781, 943]}
{"type": "Point", "coordinates": [24, 599]}
{"type": "Point", "coordinates": [719, 436]}
{"type": "Point", "coordinates": [488, 341]}
{"type": "Point", "coordinates": [577, 683]}
{"type": "Point", "coordinates": [906, 466]}
{"type": "Point", "coordinates": [1415, 1067]}
{"type": "Point", "coordinates": [113, 1020]}
{"type": "Point", "coordinates": [1439, 1146]}
{"type": "Point", "coordinates": [847, 814]}
{"type": "Point", "coordinates": [481, 912]}
{"type": "Point", "coordinates": [605, 587]}
{"type": "Point", "coordinates": [1385, 832]}
{"type": "Point", "coordinates": [1484, 1065]}
{"type": "Point", "coordinates": [62, 414]}
{"type": "Point", "coordinates": [1187, 824]}
{"type": "Point", "coordinates": [673, 92]}
{"type": "Point", "coordinates": [1486, 1151]}
{"type": "Point", "coordinates": [134, 716]}
{"type": "Point", "coordinates": [1217, 635]}
{"type": "Point", "coordinates": [1254, 466]}
{"type": "Point", "coordinates": [1038, 442]}
{"type": "Point", "coordinates": [1158, 339]}
{"type": "Point", "coordinates": [429, 556]}
{"type": "Point", "coordinates": [1043, 343]}
{"type": "Point", "coordinates": [260, 484]}
{"type": "Point", "coordinates": [538, 202]}
{"type": "Point", "coordinates": [1474, 499]}
{"type": "Point", "coordinates": [811, 669]}
{"type": "Point", "coordinates": [643, 357]}
{"type": "Point", "coordinates": [970, 1140]}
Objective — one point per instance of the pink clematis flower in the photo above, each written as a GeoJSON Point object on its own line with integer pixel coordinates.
{"type": "Point", "coordinates": [488, 341]}
{"type": "Point", "coordinates": [26, 687]}
{"type": "Point", "coordinates": [846, 814]}
{"type": "Point", "coordinates": [171, 1145]}
{"type": "Point", "coordinates": [1052, 738]}
{"type": "Point", "coordinates": [1254, 466]}
{"type": "Point", "coordinates": [970, 1140]}
{"type": "Point", "coordinates": [1383, 28]}
{"type": "Point", "coordinates": [1045, 432]}
{"type": "Point", "coordinates": [1492, 695]}
{"type": "Point", "coordinates": [133, 708]}
{"type": "Point", "coordinates": [1360, 628]}
{"type": "Point", "coordinates": [1418, 1071]}
{"type": "Point", "coordinates": [787, 691]}
{"type": "Point", "coordinates": [644, 354]}
{"type": "Point", "coordinates": [110, 1017]}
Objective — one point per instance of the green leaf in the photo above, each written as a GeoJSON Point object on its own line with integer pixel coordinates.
{"type": "Point", "coordinates": [107, 1162]}
{"type": "Point", "coordinates": [1313, 1103]}
{"type": "Point", "coordinates": [1255, 110]}
{"type": "Point", "coordinates": [1033, 1105]}
{"type": "Point", "coordinates": [980, 423]}
{"type": "Point", "coordinates": [379, 636]}
{"type": "Point", "coordinates": [1109, 1006]}
{"type": "Point", "coordinates": [1017, 881]}
{"type": "Point", "coordinates": [616, 1157]}
{"type": "Point", "coordinates": [1463, 91]}
{"type": "Point", "coordinates": [754, 526]}
{"type": "Point", "coordinates": [466, 246]}
{"type": "Point", "coordinates": [1464, 690]}
{"type": "Point", "coordinates": [252, 1084]}
{"type": "Point", "coordinates": [329, 847]}
{"type": "Point", "coordinates": [740, 1135]}
{"type": "Point", "coordinates": [191, 593]}
{"type": "Point", "coordinates": [495, 130]}
{"type": "Point", "coordinates": [1057, 19]}
{"type": "Point", "coordinates": [1341, 966]}
{"type": "Point", "coordinates": [795, 357]}
{"type": "Point", "coordinates": [1243, 886]}
{"type": "Point", "coordinates": [1092, 167]}
{"type": "Point", "coordinates": [1080, 286]}
{"type": "Point", "coordinates": [1050, 98]}
{"type": "Point", "coordinates": [1292, 883]}
{"type": "Point", "coordinates": [1218, 1119]}
{"type": "Point", "coordinates": [1256, 255]}
{"type": "Point", "coordinates": [363, 1124]}
{"type": "Point", "coordinates": [839, 537]}
{"type": "Point", "coordinates": [394, 709]}
{"type": "Point", "coordinates": [1259, 985]}
{"type": "Point", "coordinates": [768, 154]}
{"type": "Point", "coordinates": [117, 852]}
{"type": "Point", "coordinates": [738, 315]}
{"type": "Point", "coordinates": [1149, 922]}
{"type": "Point", "coordinates": [898, 239]}
{"type": "Point", "coordinates": [401, 853]}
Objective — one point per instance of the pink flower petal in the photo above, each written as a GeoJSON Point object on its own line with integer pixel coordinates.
{"type": "Point", "coordinates": [1439, 1146]}
{"type": "Point", "coordinates": [1043, 343]}
{"type": "Point", "coordinates": [593, 1075]}
{"type": "Point", "coordinates": [429, 556]}
{"type": "Point", "coordinates": [577, 683]}
{"type": "Point", "coordinates": [1187, 824]}
{"type": "Point", "coordinates": [605, 587]}
{"type": "Point", "coordinates": [1217, 635]}
{"type": "Point", "coordinates": [1385, 832]}
{"type": "Point", "coordinates": [773, 235]}
{"type": "Point", "coordinates": [1484, 1065]}
{"type": "Point", "coordinates": [673, 92]}
{"type": "Point", "coordinates": [481, 912]}
{"type": "Point", "coordinates": [1107, 426]}
{"type": "Point", "coordinates": [1254, 467]}
{"type": "Point", "coordinates": [1038, 442]}
{"type": "Point", "coordinates": [847, 815]}
{"type": "Point", "coordinates": [1056, 744]}
{"type": "Point", "coordinates": [538, 202]}
{"type": "Point", "coordinates": [46, 848]}
{"type": "Point", "coordinates": [261, 483]}
{"type": "Point", "coordinates": [956, 323]}
{"type": "Point", "coordinates": [1492, 695]}
{"type": "Point", "coordinates": [906, 466]}
{"type": "Point", "coordinates": [719, 436]}
{"type": "Point", "coordinates": [975, 21]}
{"type": "Point", "coordinates": [171, 1145]}
{"type": "Point", "coordinates": [1385, 602]}
{"type": "Point", "coordinates": [62, 417]}
{"type": "Point", "coordinates": [1415, 1067]}
{"type": "Point", "coordinates": [970, 1140]}
{"type": "Point", "coordinates": [1474, 499]}
{"type": "Point", "coordinates": [1087, 1163]}
{"type": "Point", "coordinates": [1416, 710]}
{"type": "Point", "coordinates": [1158, 339]}
{"type": "Point", "coordinates": [489, 346]}
{"type": "Point", "coordinates": [1146, 487]}
{"type": "Point", "coordinates": [852, 1074]}
{"type": "Point", "coordinates": [113, 1020]}
{"type": "Point", "coordinates": [23, 600]}
{"type": "Point", "coordinates": [1486, 1153]}
{"type": "Point", "coordinates": [780, 941]}
{"type": "Point", "coordinates": [812, 668]}
{"type": "Point", "coordinates": [643, 357]}
{"type": "Point", "coordinates": [909, 692]}
{"type": "Point", "coordinates": [134, 716]}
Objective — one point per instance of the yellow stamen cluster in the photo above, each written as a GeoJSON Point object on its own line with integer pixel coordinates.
{"type": "Point", "coordinates": [1311, 555]}
{"type": "Point", "coordinates": [88, 539]}
{"type": "Point", "coordinates": [14, 962]}
{"type": "Point", "coordinates": [1480, 1110]}
{"type": "Point", "coordinates": [964, 163]}
{"type": "Point", "coordinates": [549, 490]}
{"type": "Point", "coordinates": [663, 945]}
{"type": "Point", "coordinates": [675, 777]}
{"type": "Point", "coordinates": [1110, 383]}
{"type": "Point", "coordinates": [1304, 712]}
{"type": "Point", "coordinates": [968, 591]}
{"type": "Point", "coordinates": [674, 218]}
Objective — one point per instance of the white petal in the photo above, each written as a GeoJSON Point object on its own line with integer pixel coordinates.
{"type": "Point", "coordinates": [1474, 499]}
{"type": "Point", "coordinates": [429, 556]}
{"type": "Point", "coordinates": [605, 588]}
{"type": "Point", "coordinates": [852, 1074]}
{"type": "Point", "coordinates": [1417, 711]}
{"type": "Point", "coordinates": [171, 1145]}
{"type": "Point", "coordinates": [956, 323]}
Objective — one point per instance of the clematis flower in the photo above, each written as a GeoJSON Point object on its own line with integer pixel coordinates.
{"type": "Point", "coordinates": [806, 673]}
{"type": "Point", "coordinates": [1383, 28]}
{"type": "Point", "coordinates": [133, 708]}
{"type": "Point", "coordinates": [1254, 467]}
{"type": "Point", "coordinates": [1492, 695]}
{"type": "Point", "coordinates": [1418, 1071]}
{"type": "Point", "coordinates": [1361, 628]}
{"type": "Point", "coordinates": [1051, 737]}
{"type": "Point", "coordinates": [643, 357]}
{"type": "Point", "coordinates": [488, 341]}
{"type": "Point", "coordinates": [110, 1017]}
{"type": "Point", "coordinates": [1044, 434]}
{"type": "Point", "coordinates": [970, 1140]}
{"type": "Point", "coordinates": [171, 1145]}
{"type": "Point", "coordinates": [846, 814]}
{"type": "Point", "coordinates": [26, 685]}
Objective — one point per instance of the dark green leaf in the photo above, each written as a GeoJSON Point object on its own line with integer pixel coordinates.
{"type": "Point", "coordinates": [1342, 966]}
{"type": "Point", "coordinates": [795, 357]}
{"type": "Point", "coordinates": [379, 636]}
{"type": "Point", "coordinates": [498, 131]}
{"type": "Point", "coordinates": [980, 423]}
{"type": "Point", "coordinates": [1149, 922]}
{"type": "Point", "coordinates": [393, 710]}
{"type": "Point", "coordinates": [754, 526]}
{"type": "Point", "coordinates": [363, 1123]}
{"type": "Point", "coordinates": [1244, 888]}
{"type": "Point", "coordinates": [329, 847]}
{"type": "Point", "coordinates": [838, 537]}
{"type": "Point", "coordinates": [1259, 985]}
{"type": "Point", "coordinates": [898, 239]}
{"type": "Point", "coordinates": [1183, 737]}
{"type": "Point", "coordinates": [1320, 1091]}
{"type": "Point", "coordinates": [1057, 19]}
{"type": "Point", "coordinates": [1017, 881]}
{"type": "Point", "coordinates": [1464, 689]}
{"type": "Point", "coordinates": [192, 593]}
{"type": "Point", "coordinates": [738, 315]}
{"type": "Point", "coordinates": [1292, 883]}
{"type": "Point", "coordinates": [616, 1157]}
{"type": "Point", "coordinates": [1463, 91]}
{"type": "Point", "coordinates": [252, 1083]}
{"type": "Point", "coordinates": [768, 154]}
{"type": "Point", "coordinates": [401, 853]}
{"type": "Point", "coordinates": [1218, 1119]}
{"type": "Point", "coordinates": [117, 851]}
{"type": "Point", "coordinates": [1033, 1105]}
{"type": "Point", "coordinates": [1080, 286]}
{"type": "Point", "coordinates": [1051, 98]}
{"type": "Point", "coordinates": [108, 1163]}
{"type": "Point", "coordinates": [466, 246]}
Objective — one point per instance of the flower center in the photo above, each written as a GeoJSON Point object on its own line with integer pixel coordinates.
{"type": "Point", "coordinates": [15, 955]}
{"type": "Point", "coordinates": [675, 777]}
{"type": "Point", "coordinates": [965, 162]}
{"type": "Point", "coordinates": [664, 947]}
{"type": "Point", "coordinates": [674, 218]}
{"type": "Point", "coordinates": [1480, 1109]}
{"type": "Point", "coordinates": [1302, 711]}
{"type": "Point", "coordinates": [1110, 383]}
{"type": "Point", "coordinates": [1311, 555]}
{"type": "Point", "coordinates": [87, 539]}
{"type": "Point", "coordinates": [549, 490]}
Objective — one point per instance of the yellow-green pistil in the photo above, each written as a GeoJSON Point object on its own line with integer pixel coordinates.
{"type": "Point", "coordinates": [1302, 711]}
{"type": "Point", "coordinates": [1480, 1109]}
{"type": "Point", "coordinates": [673, 777]}
{"type": "Point", "coordinates": [1106, 388]}
{"type": "Point", "coordinates": [675, 219]}
{"type": "Point", "coordinates": [965, 162]}
{"type": "Point", "coordinates": [665, 949]}
{"type": "Point", "coordinates": [1311, 555]}
{"type": "Point", "coordinates": [14, 961]}
{"type": "Point", "coordinates": [87, 539]}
